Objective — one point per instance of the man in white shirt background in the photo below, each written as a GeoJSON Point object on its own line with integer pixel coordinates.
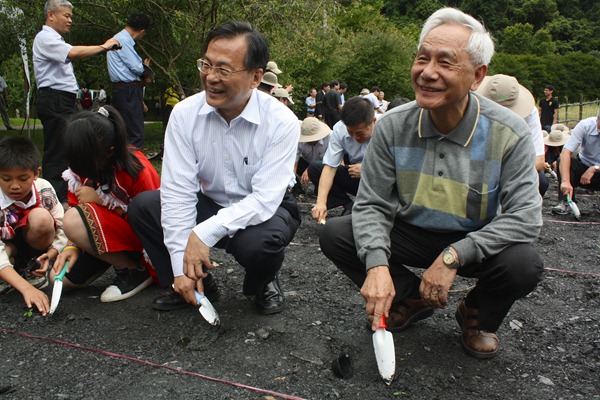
{"type": "Point", "coordinates": [228, 162]}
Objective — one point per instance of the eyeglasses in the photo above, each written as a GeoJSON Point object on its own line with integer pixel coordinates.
{"type": "Point", "coordinates": [222, 74]}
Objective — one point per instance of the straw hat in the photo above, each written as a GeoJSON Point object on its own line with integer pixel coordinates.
{"type": "Point", "coordinates": [556, 138]}
{"type": "Point", "coordinates": [560, 127]}
{"type": "Point", "coordinates": [312, 130]}
{"type": "Point", "coordinates": [506, 91]}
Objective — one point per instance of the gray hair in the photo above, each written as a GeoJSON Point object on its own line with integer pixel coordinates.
{"type": "Point", "coordinates": [55, 5]}
{"type": "Point", "coordinates": [480, 46]}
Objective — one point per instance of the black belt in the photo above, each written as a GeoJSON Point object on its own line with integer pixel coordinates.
{"type": "Point", "coordinates": [49, 89]}
{"type": "Point", "coordinates": [128, 83]}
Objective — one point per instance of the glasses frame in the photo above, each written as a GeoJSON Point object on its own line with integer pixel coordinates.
{"type": "Point", "coordinates": [218, 71]}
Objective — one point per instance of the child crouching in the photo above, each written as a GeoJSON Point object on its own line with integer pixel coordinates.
{"type": "Point", "coordinates": [30, 222]}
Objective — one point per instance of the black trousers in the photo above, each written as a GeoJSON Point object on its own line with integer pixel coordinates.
{"type": "Point", "coordinates": [54, 108]}
{"type": "Point", "coordinates": [343, 184]}
{"type": "Point", "coordinates": [129, 101]}
{"type": "Point", "coordinates": [259, 249]}
{"type": "Point", "coordinates": [576, 171]}
{"type": "Point", "coordinates": [502, 279]}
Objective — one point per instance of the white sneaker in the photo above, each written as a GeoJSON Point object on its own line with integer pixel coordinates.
{"type": "Point", "coordinates": [127, 283]}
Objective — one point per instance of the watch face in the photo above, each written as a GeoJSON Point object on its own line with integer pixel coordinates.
{"type": "Point", "coordinates": [448, 258]}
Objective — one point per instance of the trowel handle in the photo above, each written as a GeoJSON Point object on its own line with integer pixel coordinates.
{"type": "Point", "coordinates": [63, 272]}
{"type": "Point", "coordinates": [382, 323]}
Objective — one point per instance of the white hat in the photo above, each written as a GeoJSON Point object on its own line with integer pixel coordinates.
{"type": "Point", "coordinates": [506, 91]}
{"type": "Point", "coordinates": [282, 93]}
{"type": "Point", "coordinates": [271, 66]}
{"type": "Point", "coordinates": [556, 138]}
{"type": "Point", "coordinates": [312, 129]}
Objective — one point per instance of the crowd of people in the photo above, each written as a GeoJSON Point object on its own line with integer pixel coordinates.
{"type": "Point", "coordinates": [450, 183]}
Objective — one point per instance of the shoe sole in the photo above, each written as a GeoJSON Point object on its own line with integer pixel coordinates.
{"type": "Point", "coordinates": [473, 353]}
{"type": "Point", "coordinates": [271, 310]}
{"type": "Point", "coordinates": [136, 290]}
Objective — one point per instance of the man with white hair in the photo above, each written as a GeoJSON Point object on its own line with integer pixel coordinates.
{"type": "Point", "coordinates": [433, 178]}
{"type": "Point", "coordinates": [57, 85]}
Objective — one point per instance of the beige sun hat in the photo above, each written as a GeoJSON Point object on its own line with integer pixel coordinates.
{"type": "Point", "coordinates": [560, 127]}
{"type": "Point", "coordinates": [312, 130]}
{"type": "Point", "coordinates": [556, 138]}
{"type": "Point", "coordinates": [272, 66]}
{"type": "Point", "coordinates": [270, 79]}
{"type": "Point", "coordinates": [506, 91]}
{"type": "Point", "coordinates": [279, 93]}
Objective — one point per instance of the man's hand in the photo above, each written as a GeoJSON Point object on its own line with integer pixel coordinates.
{"type": "Point", "coordinates": [436, 283]}
{"type": "Point", "coordinates": [354, 170]}
{"type": "Point", "coordinates": [196, 256]}
{"type": "Point", "coordinates": [319, 212]}
{"type": "Point", "coordinates": [566, 188]}
{"type": "Point", "coordinates": [111, 44]}
{"type": "Point", "coordinates": [304, 178]}
{"type": "Point", "coordinates": [378, 291]}
{"type": "Point", "coordinates": [587, 176]}
{"type": "Point", "coordinates": [184, 286]}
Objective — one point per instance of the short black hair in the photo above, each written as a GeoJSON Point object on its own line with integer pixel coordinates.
{"type": "Point", "coordinates": [375, 89]}
{"type": "Point", "coordinates": [343, 86]}
{"type": "Point", "coordinates": [357, 110]}
{"type": "Point", "coordinates": [257, 55]}
{"type": "Point", "coordinates": [19, 153]}
{"type": "Point", "coordinates": [139, 21]}
{"type": "Point", "coordinates": [398, 101]}
{"type": "Point", "coordinates": [550, 87]}
{"type": "Point", "coordinates": [334, 83]}
{"type": "Point", "coordinates": [324, 84]}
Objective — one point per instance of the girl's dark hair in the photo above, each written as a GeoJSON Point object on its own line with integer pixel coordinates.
{"type": "Point", "coordinates": [95, 145]}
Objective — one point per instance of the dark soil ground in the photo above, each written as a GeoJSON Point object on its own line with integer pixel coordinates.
{"type": "Point", "coordinates": [550, 342]}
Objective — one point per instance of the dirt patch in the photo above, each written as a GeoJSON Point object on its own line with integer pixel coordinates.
{"type": "Point", "coordinates": [550, 341]}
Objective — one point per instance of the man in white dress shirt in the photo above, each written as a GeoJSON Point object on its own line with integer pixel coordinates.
{"type": "Point", "coordinates": [228, 162]}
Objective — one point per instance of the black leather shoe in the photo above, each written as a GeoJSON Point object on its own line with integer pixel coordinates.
{"type": "Point", "coordinates": [271, 300]}
{"type": "Point", "coordinates": [173, 301]}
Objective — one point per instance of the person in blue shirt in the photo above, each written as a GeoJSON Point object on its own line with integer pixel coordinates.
{"type": "Point", "coordinates": [127, 72]}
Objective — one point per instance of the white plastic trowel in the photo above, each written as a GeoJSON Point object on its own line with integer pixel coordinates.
{"type": "Point", "coordinates": [574, 207]}
{"type": "Point", "coordinates": [385, 353]}
{"type": "Point", "coordinates": [57, 289]}
{"type": "Point", "coordinates": [206, 309]}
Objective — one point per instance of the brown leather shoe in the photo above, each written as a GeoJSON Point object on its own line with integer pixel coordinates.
{"type": "Point", "coordinates": [475, 341]}
{"type": "Point", "coordinates": [405, 313]}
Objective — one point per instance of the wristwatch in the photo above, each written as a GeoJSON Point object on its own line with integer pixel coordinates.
{"type": "Point", "coordinates": [449, 258]}
{"type": "Point", "coordinates": [596, 169]}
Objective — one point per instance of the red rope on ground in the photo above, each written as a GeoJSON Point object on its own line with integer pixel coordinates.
{"type": "Point", "coordinates": [566, 271]}
{"type": "Point", "coordinates": [151, 364]}
{"type": "Point", "coordinates": [571, 222]}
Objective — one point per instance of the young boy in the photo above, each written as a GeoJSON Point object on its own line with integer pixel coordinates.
{"type": "Point", "coordinates": [30, 222]}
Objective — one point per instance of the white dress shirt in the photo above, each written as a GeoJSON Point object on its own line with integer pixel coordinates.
{"type": "Point", "coordinates": [245, 166]}
{"type": "Point", "coordinates": [51, 64]}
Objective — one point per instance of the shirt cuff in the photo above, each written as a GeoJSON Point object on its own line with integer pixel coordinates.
{"type": "Point", "coordinates": [466, 250]}
{"type": "Point", "coordinates": [376, 258]}
{"type": "Point", "coordinates": [210, 231]}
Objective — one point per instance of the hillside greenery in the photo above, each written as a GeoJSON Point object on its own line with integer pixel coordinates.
{"type": "Point", "coordinates": [360, 42]}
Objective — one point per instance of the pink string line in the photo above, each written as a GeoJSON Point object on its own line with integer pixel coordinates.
{"type": "Point", "coordinates": [571, 222]}
{"type": "Point", "coordinates": [151, 364]}
{"type": "Point", "coordinates": [566, 271]}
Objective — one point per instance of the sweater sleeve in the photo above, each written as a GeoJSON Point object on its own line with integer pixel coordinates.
{"type": "Point", "coordinates": [520, 218]}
